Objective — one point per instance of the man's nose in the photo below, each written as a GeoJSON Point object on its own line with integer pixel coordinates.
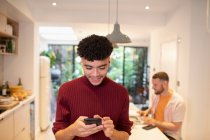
{"type": "Point", "coordinates": [95, 72]}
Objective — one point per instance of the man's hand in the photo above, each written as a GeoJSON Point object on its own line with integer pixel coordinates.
{"type": "Point", "coordinates": [108, 126]}
{"type": "Point", "coordinates": [143, 113]}
{"type": "Point", "coordinates": [110, 131]}
{"type": "Point", "coordinates": [81, 130]}
{"type": "Point", "coordinates": [148, 120]}
{"type": "Point", "coordinates": [78, 128]}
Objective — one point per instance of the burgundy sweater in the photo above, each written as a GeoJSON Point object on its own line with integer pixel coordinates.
{"type": "Point", "coordinates": [80, 98]}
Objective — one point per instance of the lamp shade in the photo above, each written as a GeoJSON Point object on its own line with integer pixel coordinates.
{"type": "Point", "coordinates": [117, 37]}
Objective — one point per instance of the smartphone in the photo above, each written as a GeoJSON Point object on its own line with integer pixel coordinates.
{"type": "Point", "coordinates": [148, 127]}
{"type": "Point", "coordinates": [96, 121]}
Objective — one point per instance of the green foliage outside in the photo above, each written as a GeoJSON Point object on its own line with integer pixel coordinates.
{"type": "Point", "coordinates": [116, 66]}
{"type": "Point", "coordinates": [51, 55]}
{"type": "Point", "coordinates": [128, 66]}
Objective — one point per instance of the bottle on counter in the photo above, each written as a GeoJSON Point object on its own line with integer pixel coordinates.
{"type": "Point", "coordinates": [19, 82]}
{"type": "Point", "coordinates": [8, 89]}
{"type": "Point", "coordinates": [4, 88]}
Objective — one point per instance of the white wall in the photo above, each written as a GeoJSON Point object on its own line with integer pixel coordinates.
{"type": "Point", "coordinates": [188, 23]}
{"type": "Point", "coordinates": [21, 65]}
{"type": "Point", "coordinates": [199, 74]}
{"type": "Point", "coordinates": [36, 77]}
{"type": "Point", "coordinates": [26, 63]}
{"type": "Point", "coordinates": [22, 6]}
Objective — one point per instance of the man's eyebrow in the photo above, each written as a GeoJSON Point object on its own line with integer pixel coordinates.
{"type": "Point", "coordinates": [87, 65]}
{"type": "Point", "coordinates": [102, 65]}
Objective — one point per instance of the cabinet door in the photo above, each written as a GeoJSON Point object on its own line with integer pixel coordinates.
{"type": "Point", "coordinates": [6, 128]}
{"type": "Point", "coordinates": [22, 119]}
{"type": "Point", "coordinates": [24, 135]}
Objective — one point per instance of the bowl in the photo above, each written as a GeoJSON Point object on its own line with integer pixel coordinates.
{"type": "Point", "coordinates": [16, 88]}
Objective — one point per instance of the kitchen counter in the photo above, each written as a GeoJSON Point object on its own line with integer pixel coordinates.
{"type": "Point", "coordinates": [17, 123]}
{"type": "Point", "coordinates": [153, 134]}
{"type": "Point", "coordinates": [5, 113]}
{"type": "Point", "coordinates": [138, 132]}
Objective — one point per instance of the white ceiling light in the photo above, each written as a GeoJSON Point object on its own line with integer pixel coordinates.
{"type": "Point", "coordinates": [54, 4]}
{"type": "Point", "coordinates": [147, 7]}
{"type": "Point", "coordinates": [116, 36]}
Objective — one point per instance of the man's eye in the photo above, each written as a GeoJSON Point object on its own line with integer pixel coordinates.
{"type": "Point", "coordinates": [89, 68]}
{"type": "Point", "coordinates": [102, 68]}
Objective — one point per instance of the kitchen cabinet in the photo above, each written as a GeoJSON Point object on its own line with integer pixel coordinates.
{"type": "Point", "coordinates": [15, 123]}
{"type": "Point", "coordinates": [8, 35]}
{"type": "Point", "coordinates": [16, 126]}
{"type": "Point", "coordinates": [6, 128]}
{"type": "Point", "coordinates": [22, 123]}
{"type": "Point", "coordinates": [24, 135]}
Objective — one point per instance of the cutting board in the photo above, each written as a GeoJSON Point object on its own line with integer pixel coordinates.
{"type": "Point", "coordinates": [8, 106]}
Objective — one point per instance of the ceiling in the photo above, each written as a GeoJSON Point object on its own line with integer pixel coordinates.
{"type": "Point", "coordinates": [98, 16]}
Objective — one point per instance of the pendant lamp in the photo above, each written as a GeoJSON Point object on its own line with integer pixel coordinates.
{"type": "Point", "coordinates": [116, 36]}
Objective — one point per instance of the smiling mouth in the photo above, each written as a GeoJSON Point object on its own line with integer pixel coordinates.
{"type": "Point", "coordinates": [96, 79]}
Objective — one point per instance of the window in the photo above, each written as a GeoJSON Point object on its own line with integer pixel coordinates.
{"type": "Point", "coordinates": [128, 67]}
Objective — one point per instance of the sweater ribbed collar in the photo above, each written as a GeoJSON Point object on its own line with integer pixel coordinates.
{"type": "Point", "coordinates": [87, 82]}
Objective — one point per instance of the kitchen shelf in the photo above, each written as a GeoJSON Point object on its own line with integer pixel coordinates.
{"type": "Point", "coordinates": [7, 53]}
{"type": "Point", "coordinates": [7, 34]}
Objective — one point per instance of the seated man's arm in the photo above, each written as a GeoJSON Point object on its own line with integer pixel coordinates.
{"type": "Point", "coordinates": [173, 126]}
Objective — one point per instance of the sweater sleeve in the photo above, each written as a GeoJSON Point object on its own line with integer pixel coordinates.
{"type": "Point", "coordinates": [62, 112]}
{"type": "Point", "coordinates": [124, 124]}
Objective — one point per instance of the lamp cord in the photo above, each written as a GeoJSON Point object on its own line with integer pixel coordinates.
{"type": "Point", "coordinates": [117, 13]}
{"type": "Point", "coordinates": [108, 16]}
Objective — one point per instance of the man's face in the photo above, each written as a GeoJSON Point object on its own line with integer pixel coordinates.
{"type": "Point", "coordinates": [95, 70]}
{"type": "Point", "coordinates": [158, 86]}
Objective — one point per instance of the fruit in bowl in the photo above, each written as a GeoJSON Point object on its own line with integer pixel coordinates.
{"type": "Point", "coordinates": [19, 95]}
{"type": "Point", "coordinates": [18, 92]}
{"type": "Point", "coordinates": [16, 88]}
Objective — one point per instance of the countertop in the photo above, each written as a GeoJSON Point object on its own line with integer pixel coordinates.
{"type": "Point", "coordinates": [28, 99]}
{"type": "Point", "coordinates": [138, 132]}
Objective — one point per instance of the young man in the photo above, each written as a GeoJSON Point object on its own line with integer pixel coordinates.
{"type": "Point", "coordinates": [167, 108]}
{"type": "Point", "coordinates": [93, 95]}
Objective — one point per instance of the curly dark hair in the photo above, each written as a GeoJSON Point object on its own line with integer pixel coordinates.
{"type": "Point", "coordinates": [94, 47]}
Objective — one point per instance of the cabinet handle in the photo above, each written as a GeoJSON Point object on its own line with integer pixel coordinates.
{"type": "Point", "coordinates": [23, 129]}
{"type": "Point", "coordinates": [1, 119]}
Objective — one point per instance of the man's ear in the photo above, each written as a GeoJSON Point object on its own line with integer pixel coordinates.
{"type": "Point", "coordinates": [165, 83]}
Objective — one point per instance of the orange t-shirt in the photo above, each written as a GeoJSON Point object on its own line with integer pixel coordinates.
{"type": "Point", "coordinates": [159, 112]}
